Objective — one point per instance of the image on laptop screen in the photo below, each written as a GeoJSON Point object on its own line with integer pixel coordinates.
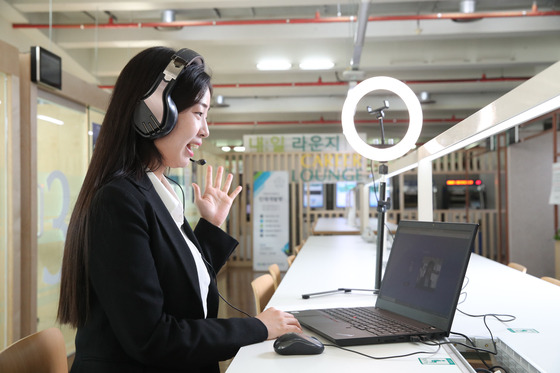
{"type": "Point", "coordinates": [426, 271]}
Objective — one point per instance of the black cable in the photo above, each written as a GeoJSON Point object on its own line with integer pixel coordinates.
{"type": "Point", "coordinates": [208, 265]}
{"type": "Point", "coordinates": [180, 187]}
{"type": "Point", "coordinates": [211, 268]}
{"type": "Point", "coordinates": [460, 344]}
{"type": "Point", "coordinates": [383, 357]}
{"type": "Point", "coordinates": [232, 306]}
{"type": "Point", "coordinates": [465, 283]}
{"type": "Point", "coordinates": [499, 317]}
{"type": "Point", "coordinates": [478, 350]}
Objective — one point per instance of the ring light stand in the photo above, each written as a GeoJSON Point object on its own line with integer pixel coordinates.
{"type": "Point", "coordinates": [379, 154]}
{"type": "Point", "coordinates": [382, 202]}
{"type": "Point", "coordinates": [383, 154]}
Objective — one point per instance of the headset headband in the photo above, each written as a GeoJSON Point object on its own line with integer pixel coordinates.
{"type": "Point", "coordinates": [156, 114]}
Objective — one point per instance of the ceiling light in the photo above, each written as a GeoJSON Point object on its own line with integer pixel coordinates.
{"type": "Point", "coordinates": [238, 149]}
{"type": "Point", "coordinates": [467, 6]}
{"type": "Point", "coordinates": [220, 101]}
{"type": "Point", "coordinates": [316, 64]}
{"type": "Point", "coordinates": [226, 148]}
{"type": "Point", "coordinates": [168, 16]}
{"type": "Point", "coordinates": [425, 98]}
{"type": "Point", "coordinates": [268, 65]}
{"type": "Point", "coordinates": [49, 119]}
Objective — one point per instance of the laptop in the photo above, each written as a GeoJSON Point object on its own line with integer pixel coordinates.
{"type": "Point", "coordinates": [418, 294]}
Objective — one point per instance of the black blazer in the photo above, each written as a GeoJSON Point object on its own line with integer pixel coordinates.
{"type": "Point", "coordinates": [145, 311]}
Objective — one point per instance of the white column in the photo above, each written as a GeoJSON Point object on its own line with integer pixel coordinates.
{"type": "Point", "coordinates": [425, 191]}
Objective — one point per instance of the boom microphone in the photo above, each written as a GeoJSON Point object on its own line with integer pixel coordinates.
{"type": "Point", "coordinates": [200, 162]}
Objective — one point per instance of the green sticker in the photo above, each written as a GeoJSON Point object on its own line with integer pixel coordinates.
{"type": "Point", "coordinates": [521, 330]}
{"type": "Point", "coordinates": [432, 361]}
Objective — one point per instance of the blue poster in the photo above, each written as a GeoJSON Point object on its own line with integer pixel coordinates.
{"type": "Point", "coordinates": [271, 230]}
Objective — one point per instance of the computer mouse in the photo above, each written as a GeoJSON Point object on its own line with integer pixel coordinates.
{"type": "Point", "coordinates": [298, 344]}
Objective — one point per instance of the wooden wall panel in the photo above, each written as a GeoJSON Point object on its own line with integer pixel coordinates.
{"type": "Point", "coordinates": [302, 219]}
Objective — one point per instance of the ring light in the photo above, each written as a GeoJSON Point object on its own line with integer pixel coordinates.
{"type": "Point", "coordinates": [414, 112]}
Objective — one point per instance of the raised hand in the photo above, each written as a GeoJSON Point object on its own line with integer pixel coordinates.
{"type": "Point", "coordinates": [215, 203]}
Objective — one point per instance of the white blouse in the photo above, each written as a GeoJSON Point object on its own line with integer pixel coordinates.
{"type": "Point", "coordinates": [175, 208]}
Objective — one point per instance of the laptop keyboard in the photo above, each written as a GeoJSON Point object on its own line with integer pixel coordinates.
{"type": "Point", "coordinates": [370, 321]}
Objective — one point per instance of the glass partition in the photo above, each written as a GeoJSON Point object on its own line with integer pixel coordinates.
{"type": "Point", "coordinates": [62, 160]}
{"type": "Point", "coordinates": [3, 212]}
{"type": "Point", "coordinates": [95, 120]}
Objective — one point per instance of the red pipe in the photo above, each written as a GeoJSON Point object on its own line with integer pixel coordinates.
{"type": "Point", "coordinates": [321, 83]}
{"type": "Point", "coordinates": [323, 121]}
{"type": "Point", "coordinates": [318, 19]}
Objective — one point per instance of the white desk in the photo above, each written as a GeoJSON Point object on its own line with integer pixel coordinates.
{"type": "Point", "coordinates": [495, 288]}
{"type": "Point", "coordinates": [334, 226]}
{"type": "Point", "coordinates": [327, 263]}
{"type": "Point", "coordinates": [340, 226]}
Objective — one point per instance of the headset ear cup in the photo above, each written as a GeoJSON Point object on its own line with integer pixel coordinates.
{"type": "Point", "coordinates": [155, 115]}
{"type": "Point", "coordinates": [144, 121]}
{"type": "Point", "coordinates": [170, 115]}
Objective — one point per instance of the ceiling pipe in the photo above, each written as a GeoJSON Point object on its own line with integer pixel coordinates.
{"type": "Point", "coordinates": [322, 121]}
{"type": "Point", "coordinates": [534, 12]}
{"type": "Point", "coordinates": [320, 83]}
{"type": "Point", "coordinates": [363, 12]}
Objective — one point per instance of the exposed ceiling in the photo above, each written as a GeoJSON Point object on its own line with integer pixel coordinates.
{"type": "Point", "coordinates": [463, 54]}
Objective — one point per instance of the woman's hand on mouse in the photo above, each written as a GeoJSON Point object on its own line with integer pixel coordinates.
{"type": "Point", "coordinates": [215, 203]}
{"type": "Point", "coordinates": [279, 322]}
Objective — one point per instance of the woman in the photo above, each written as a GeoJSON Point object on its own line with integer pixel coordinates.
{"type": "Point", "coordinates": [137, 282]}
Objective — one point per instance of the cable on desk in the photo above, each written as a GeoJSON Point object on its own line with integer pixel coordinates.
{"type": "Point", "coordinates": [465, 283]}
{"type": "Point", "coordinates": [383, 357]}
{"type": "Point", "coordinates": [478, 350]}
{"type": "Point", "coordinates": [499, 317]}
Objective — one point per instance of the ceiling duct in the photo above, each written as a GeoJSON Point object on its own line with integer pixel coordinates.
{"type": "Point", "coordinates": [354, 74]}
{"type": "Point", "coordinates": [168, 16]}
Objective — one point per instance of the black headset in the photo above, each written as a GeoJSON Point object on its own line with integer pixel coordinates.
{"type": "Point", "coordinates": [155, 115]}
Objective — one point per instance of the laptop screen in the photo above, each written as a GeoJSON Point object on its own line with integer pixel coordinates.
{"type": "Point", "coordinates": [425, 270]}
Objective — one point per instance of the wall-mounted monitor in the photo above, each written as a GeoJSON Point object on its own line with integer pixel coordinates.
{"type": "Point", "coordinates": [316, 196]}
{"type": "Point", "coordinates": [342, 190]}
{"type": "Point", "coordinates": [46, 67]}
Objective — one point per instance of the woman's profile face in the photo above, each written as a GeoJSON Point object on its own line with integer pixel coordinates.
{"type": "Point", "coordinates": [178, 146]}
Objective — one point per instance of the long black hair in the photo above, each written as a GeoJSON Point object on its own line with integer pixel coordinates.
{"type": "Point", "coordinates": [119, 152]}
